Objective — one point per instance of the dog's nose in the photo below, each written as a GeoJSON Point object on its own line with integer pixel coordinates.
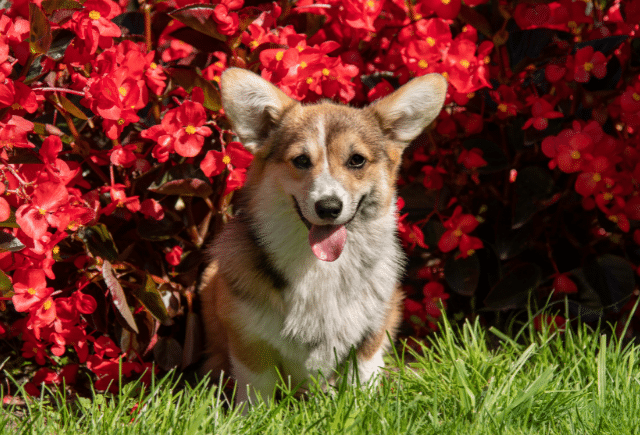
{"type": "Point", "coordinates": [329, 208]}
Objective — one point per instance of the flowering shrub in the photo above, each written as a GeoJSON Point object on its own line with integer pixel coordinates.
{"type": "Point", "coordinates": [117, 162]}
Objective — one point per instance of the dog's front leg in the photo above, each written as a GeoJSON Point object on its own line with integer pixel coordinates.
{"type": "Point", "coordinates": [251, 386]}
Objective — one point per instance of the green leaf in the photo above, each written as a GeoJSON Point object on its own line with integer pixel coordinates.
{"type": "Point", "coordinates": [613, 279]}
{"type": "Point", "coordinates": [61, 40]}
{"type": "Point", "coordinates": [198, 17]}
{"type": "Point", "coordinates": [150, 298]}
{"type": "Point", "coordinates": [462, 274]}
{"type": "Point", "coordinates": [9, 243]}
{"type": "Point", "coordinates": [513, 290]}
{"type": "Point", "coordinates": [6, 288]}
{"type": "Point", "coordinates": [40, 36]}
{"type": "Point", "coordinates": [533, 186]}
{"type": "Point", "coordinates": [117, 294]}
{"type": "Point", "coordinates": [183, 180]}
{"type": "Point", "coordinates": [154, 230]}
{"type": "Point", "coordinates": [71, 108]}
{"type": "Point", "coordinates": [11, 222]}
{"type": "Point", "coordinates": [188, 79]}
{"type": "Point", "coordinates": [99, 242]}
{"type": "Point", "coordinates": [51, 6]}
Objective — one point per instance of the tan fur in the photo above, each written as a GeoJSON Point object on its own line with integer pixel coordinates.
{"type": "Point", "coordinates": [267, 302]}
{"type": "Point", "coordinates": [374, 342]}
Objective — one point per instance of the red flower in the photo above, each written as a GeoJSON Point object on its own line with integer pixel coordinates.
{"type": "Point", "coordinates": [410, 233]}
{"type": "Point", "coordinates": [235, 158]}
{"type": "Point", "coordinates": [507, 101]}
{"type": "Point", "coordinates": [152, 208]}
{"type": "Point", "coordinates": [472, 159]}
{"type": "Point", "coordinates": [119, 199]}
{"type": "Point", "coordinates": [563, 284]}
{"type": "Point", "coordinates": [93, 23]}
{"type": "Point", "coordinates": [30, 288]}
{"type": "Point", "coordinates": [174, 256]}
{"type": "Point", "coordinates": [432, 177]}
{"type": "Point", "coordinates": [588, 62]}
{"type": "Point", "coordinates": [446, 9]}
{"type": "Point", "coordinates": [541, 112]}
{"type": "Point", "coordinates": [434, 295]}
{"type": "Point", "coordinates": [35, 218]}
{"type": "Point", "coordinates": [459, 225]}
{"type": "Point", "coordinates": [190, 133]}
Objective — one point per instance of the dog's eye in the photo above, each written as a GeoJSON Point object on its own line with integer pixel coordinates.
{"type": "Point", "coordinates": [356, 161]}
{"type": "Point", "coordinates": [302, 162]}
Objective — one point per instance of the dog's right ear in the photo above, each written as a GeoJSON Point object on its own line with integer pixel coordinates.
{"type": "Point", "coordinates": [252, 104]}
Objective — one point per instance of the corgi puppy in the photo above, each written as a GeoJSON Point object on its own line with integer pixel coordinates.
{"type": "Point", "coordinates": [308, 269]}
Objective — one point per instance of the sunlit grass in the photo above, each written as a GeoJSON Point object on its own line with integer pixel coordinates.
{"type": "Point", "coordinates": [468, 381]}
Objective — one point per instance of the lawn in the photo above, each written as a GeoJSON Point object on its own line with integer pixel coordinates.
{"type": "Point", "coordinates": [469, 380]}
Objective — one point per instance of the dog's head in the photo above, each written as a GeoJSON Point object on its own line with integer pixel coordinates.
{"type": "Point", "coordinates": [336, 163]}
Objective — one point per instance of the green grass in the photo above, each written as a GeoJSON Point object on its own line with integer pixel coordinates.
{"type": "Point", "coordinates": [469, 381]}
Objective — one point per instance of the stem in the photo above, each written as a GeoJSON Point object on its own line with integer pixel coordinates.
{"type": "Point", "coordinates": [147, 26]}
{"type": "Point", "coordinates": [63, 90]}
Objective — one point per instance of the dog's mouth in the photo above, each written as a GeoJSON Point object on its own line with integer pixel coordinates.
{"type": "Point", "coordinates": [326, 241]}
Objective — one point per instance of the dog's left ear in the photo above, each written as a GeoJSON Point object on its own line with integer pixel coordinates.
{"type": "Point", "coordinates": [410, 109]}
{"type": "Point", "coordinates": [252, 104]}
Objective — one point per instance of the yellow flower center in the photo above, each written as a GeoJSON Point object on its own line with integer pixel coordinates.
{"type": "Point", "coordinates": [470, 95]}
{"type": "Point", "coordinates": [575, 154]}
{"type": "Point", "coordinates": [56, 250]}
{"type": "Point", "coordinates": [303, 64]}
{"type": "Point", "coordinates": [502, 107]}
{"type": "Point", "coordinates": [254, 44]}
{"type": "Point", "coordinates": [431, 41]}
{"type": "Point", "coordinates": [153, 65]}
{"type": "Point", "coordinates": [94, 15]}
{"type": "Point", "coordinates": [216, 79]}
{"type": "Point", "coordinates": [309, 80]}
{"type": "Point", "coordinates": [470, 252]}
{"type": "Point", "coordinates": [190, 129]}
{"type": "Point", "coordinates": [423, 64]}
{"type": "Point", "coordinates": [42, 211]}
{"type": "Point", "coordinates": [226, 160]}
{"type": "Point", "coordinates": [446, 2]}
{"type": "Point", "coordinates": [608, 196]}
{"type": "Point", "coordinates": [636, 96]}
{"type": "Point", "coordinates": [597, 177]}
{"type": "Point", "coordinates": [325, 72]}
{"type": "Point", "coordinates": [465, 63]}
{"type": "Point", "coordinates": [613, 218]}
{"type": "Point", "coordinates": [16, 106]}
{"type": "Point", "coordinates": [120, 121]}
{"type": "Point", "coordinates": [31, 291]}
{"type": "Point", "coordinates": [572, 24]}
{"type": "Point", "coordinates": [279, 55]}
{"type": "Point", "coordinates": [458, 232]}
{"type": "Point", "coordinates": [445, 74]}
{"type": "Point", "coordinates": [47, 304]}
{"type": "Point", "coordinates": [123, 91]}
{"type": "Point", "coordinates": [487, 59]}
{"type": "Point", "coordinates": [588, 66]}
{"type": "Point", "coordinates": [371, 3]}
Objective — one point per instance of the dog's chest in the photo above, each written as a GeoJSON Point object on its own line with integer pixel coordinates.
{"type": "Point", "coordinates": [331, 307]}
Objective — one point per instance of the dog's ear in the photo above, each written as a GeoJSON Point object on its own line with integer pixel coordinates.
{"type": "Point", "coordinates": [252, 104]}
{"type": "Point", "coordinates": [407, 111]}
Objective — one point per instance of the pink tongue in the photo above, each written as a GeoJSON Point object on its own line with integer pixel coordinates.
{"type": "Point", "coordinates": [327, 241]}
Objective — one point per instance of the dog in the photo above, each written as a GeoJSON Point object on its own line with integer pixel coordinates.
{"type": "Point", "coordinates": [307, 270]}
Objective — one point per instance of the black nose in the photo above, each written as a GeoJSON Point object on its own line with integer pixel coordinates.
{"type": "Point", "coordinates": [329, 208]}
